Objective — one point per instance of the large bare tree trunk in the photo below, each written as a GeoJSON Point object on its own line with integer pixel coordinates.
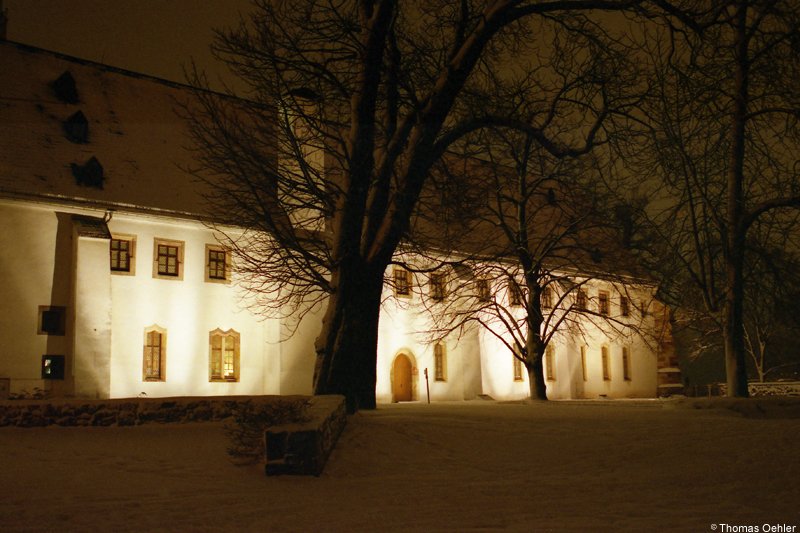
{"type": "Point", "coordinates": [347, 345]}
{"type": "Point", "coordinates": [534, 364]}
{"type": "Point", "coordinates": [733, 329]}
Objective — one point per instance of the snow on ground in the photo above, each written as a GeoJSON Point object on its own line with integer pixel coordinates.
{"type": "Point", "coordinates": [470, 466]}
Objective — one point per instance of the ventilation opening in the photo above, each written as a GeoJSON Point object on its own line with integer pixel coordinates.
{"type": "Point", "coordinates": [89, 174]}
{"type": "Point", "coordinates": [76, 128]}
{"type": "Point", "coordinates": [65, 89]}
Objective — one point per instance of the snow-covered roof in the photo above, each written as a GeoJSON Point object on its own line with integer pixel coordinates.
{"type": "Point", "coordinates": [136, 138]}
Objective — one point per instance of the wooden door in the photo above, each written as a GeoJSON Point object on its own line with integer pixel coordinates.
{"type": "Point", "coordinates": [401, 386]}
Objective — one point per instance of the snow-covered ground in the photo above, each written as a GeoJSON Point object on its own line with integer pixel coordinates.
{"type": "Point", "coordinates": [469, 466]}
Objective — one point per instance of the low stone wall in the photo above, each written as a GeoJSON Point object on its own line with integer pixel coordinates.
{"type": "Point", "coordinates": [122, 412]}
{"type": "Point", "coordinates": [304, 448]}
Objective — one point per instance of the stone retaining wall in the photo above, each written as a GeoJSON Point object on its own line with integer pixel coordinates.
{"type": "Point", "coordinates": [122, 412]}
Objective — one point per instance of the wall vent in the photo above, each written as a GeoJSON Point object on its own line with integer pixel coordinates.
{"type": "Point", "coordinates": [65, 89]}
{"type": "Point", "coordinates": [90, 174]}
{"type": "Point", "coordinates": [76, 128]}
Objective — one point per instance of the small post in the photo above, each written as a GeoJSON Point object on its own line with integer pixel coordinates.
{"type": "Point", "coordinates": [427, 386]}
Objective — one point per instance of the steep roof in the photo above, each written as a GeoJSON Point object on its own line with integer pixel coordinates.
{"type": "Point", "coordinates": [99, 136]}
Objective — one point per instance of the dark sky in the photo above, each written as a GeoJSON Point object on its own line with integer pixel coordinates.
{"type": "Point", "coordinates": [151, 36]}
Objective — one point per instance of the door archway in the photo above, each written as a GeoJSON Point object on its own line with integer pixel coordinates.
{"type": "Point", "coordinates": [402, 379]}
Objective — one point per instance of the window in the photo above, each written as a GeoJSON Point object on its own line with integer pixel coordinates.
{"type": "Point", "coordinates": [515, 295]}
{"type": "Point", "coordinates": [122, 251]}
{"type": "Point", "coordinates": [218, 266]}
{"type": "Point", "coordinates": [223, 364]}
{"type": "Point", "coordinates": [52, 320]}
{"type": "Point", "coordinates": [439, 361]}
{"type": "Point", "coordinates": [517, 363]}
{"type": "Point", "coordinates": [483, 290]}
{"type": "Point", "coordinates": [602, 303]}
{"type": "Point", "coordinates": [402, 282]}
{"type": "Point", "coordinates": [52, 367]}
{"type": "Point", "coordinates": [604, 357]}
{"type": "Point", "coordinates": [580, 300]}
{"type": "Point", "coordinates": [550, 363]}
{"type": "Point", "coordinates": [626, 363]}
{"type": "Point", "coordinates": [644, 308]}
{"type": "Point", "coordinates": [583, 364]}
{"type": "Point", "coordinates": [168, 259]}
{"type": "Point", "coordinates": [624, 306]}
{"type": "Point", "coordinates": [155, 353]}
{"type": "Point", "coordinates": [547, 298]}
{"type": "Point", "coordinates": [438, 286]}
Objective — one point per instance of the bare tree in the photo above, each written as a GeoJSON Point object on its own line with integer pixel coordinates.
{"type": "Point", "coordinates": [725, 146]}
{"type": "Point", "coordinates": [349, 105]}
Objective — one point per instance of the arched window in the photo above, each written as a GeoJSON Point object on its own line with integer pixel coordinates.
{"type": "Point", "coordinates": [606, 363]}
{"type": "Point", "coordinates": [550, 363]}
{"type": "Point", "coordinates": [223, 360]}
{"type": "Point", "coordinates": [154, 361]}
{"type": "Point", "coordinates": [517, 364]}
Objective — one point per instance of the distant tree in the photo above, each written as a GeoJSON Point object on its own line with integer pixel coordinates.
{"type": "Point", "coordinates": [348, 106]}
{"type": "Point", "coordinates": [725, 146]}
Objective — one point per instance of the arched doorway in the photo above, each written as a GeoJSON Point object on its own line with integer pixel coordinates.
{"type": "Point", "coordinates": [402, 379]}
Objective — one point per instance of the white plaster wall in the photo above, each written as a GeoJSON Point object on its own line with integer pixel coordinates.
{"type": "Point", "coordinates": [35, 269]}
{"type": "Point", "coordinates": [189, 309]}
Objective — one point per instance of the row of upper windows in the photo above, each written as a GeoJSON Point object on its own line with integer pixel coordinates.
{"type": "Point", "coordinates": [437, 290]}
{"type": "Point", "coordinates": [168, 262]}
{"type": "Point", "coordinates": [223, 355]}
{"type": "Point", "coordinates": [605, 362]}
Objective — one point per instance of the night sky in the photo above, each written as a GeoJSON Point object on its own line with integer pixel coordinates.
{"type": "Point", "coordinates": [155, 37]}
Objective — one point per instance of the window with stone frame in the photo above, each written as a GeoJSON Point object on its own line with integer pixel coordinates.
{"type": "Point", "coordinates": [626, 363]}
{"type": "Point", "coordinates": [584, 373]}
{"type": "Point", "coordinates": [122, 254]}
{"type": "Point", "coordinates": [580, 299]}
{"type": "Point", "coordinates": [217, 264]}
{"type": "Point", "coordinates": [550, 363]}
{"type": "Point", "coordinates": [402, 282]}
{"type": "Point", "coordinates": [438, 286]}
{"type": "Point", "coordinates": [606, 363]}
{"type": "Point", "coordinates": [154, 360]}
{"type": "Point", "coordinates": [223, 360]}
{"type": "Point", "coordinates": [547, 298]}
{"type": "Point", "coordinates": [515, 293]}
{"type": "Point", "coordinates": [168, 259]}
{"type": "Point", "coordinates": [517, 363]}
{"type": "Point", "coordinates": [483, 290]}
{"type": "Point", "coordinates": [440, 362]}
{"type": "Point", "coordinates": [603, 306]}
{"type": "Point", "coordinates": [624, 305]}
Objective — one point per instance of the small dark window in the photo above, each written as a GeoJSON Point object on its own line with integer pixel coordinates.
{"type": "Point", "coordinates": [52, 367]}
{"type": "Point", "coordinates": [52, 320]}
{"type": "Point", "coordinates": [76, 128]}
{"type": "Point", "coordinates": [65, 89]}
{"type": "Point", "coordinates": [89, 174]}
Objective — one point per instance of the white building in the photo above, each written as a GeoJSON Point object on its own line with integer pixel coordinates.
{"type": "Point", "coordinates": [114, 287]}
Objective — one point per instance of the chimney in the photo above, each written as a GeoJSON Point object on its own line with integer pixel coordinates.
{"type": "Point", "coordinates": [3, 21]}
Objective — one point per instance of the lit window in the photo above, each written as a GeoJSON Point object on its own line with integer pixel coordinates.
{"type": "Point", "coordinates": [626, 364]}
{"type": "Point", "coordinates": [517, 364]}
{"type": "Point", "coordinates": [515, 295]}
{"type": "Point", "coordinates": [483, 290]}
{"type": "Point", "coordinates": [122, 252]}
{"type": "Point", "coordinates": [155, 351]}
{"type": "Point", "coordinates": [52, 320]}
{"type": "Point", "coordinates": [217, 264]}
{"type": "Point", "coordinates": [550, 363]}
{"type": "Point", "coordinates": [402, 282]}
{"type": "Point", "coordinates": [224, 358]}
{"type": "Point", "coordinates": [580, 300]}
{"type": "Point", "coordinates": [438, 286]}
{"type": "Point", "coordinates": [605, 362]}
{"type": "Point", "coordinates": [583, 363]}
{"type": "Point", "coordinates": [168, 259]}
{"type": "Point", "coordinates": [439, 359]}
{"type": "Point", "coordinates": [602, 303]}
{"type": "Point", "coordinates": [624, 306]}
